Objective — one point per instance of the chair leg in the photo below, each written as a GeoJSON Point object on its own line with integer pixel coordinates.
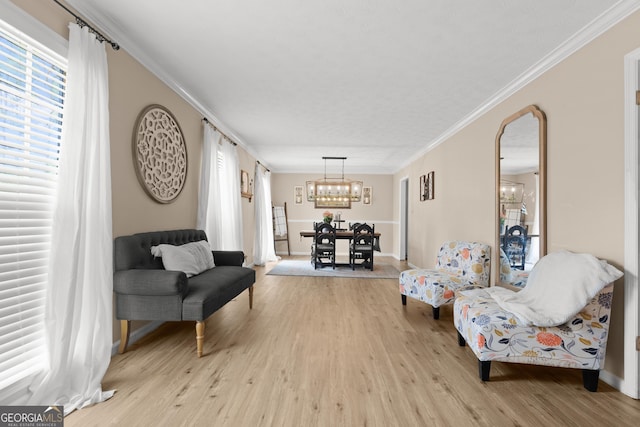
{"type": "Point", "coordinates": [436, 313]}
{"type": "Point", "coordinates": [199, 336]}
{"type": "Point", "coordinates": [125, 328]}
{"type": "Point", "coordinates": [250, 297]}
{"type": "Point", "coordinates": [590, 379]}
{"type": "Point", "coordinates": [484, 366]}
{"type": "Point", "coordinates": [404, 299]}
{"type": "Point", "coordinates": [461, 341]}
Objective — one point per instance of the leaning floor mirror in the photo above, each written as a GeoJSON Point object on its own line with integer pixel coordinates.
{"type": "Point", "coordinates": [520, 195]}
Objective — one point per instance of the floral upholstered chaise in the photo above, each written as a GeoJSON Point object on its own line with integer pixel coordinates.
{"type": "Point", "coordinates": [531, 327]}
{"type": "Point", "coordinates": [459, 266]}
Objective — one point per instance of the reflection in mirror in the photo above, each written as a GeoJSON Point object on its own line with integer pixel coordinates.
{"type": "Point", "coordinates": [520, 191]}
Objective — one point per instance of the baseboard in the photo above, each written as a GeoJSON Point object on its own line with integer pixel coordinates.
{"type": "Point", "coordinates": [612, 380]}
{"type": "Point", "coordinates": [137, 335]}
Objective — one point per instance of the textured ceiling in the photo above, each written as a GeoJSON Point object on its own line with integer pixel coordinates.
{"type": "Point", "coordinates": [375, 81]}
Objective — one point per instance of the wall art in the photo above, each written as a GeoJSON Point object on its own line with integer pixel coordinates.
{"type": "Point", "coordinates": [159, 154]}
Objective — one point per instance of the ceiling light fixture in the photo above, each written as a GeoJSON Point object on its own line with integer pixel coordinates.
{"type": "Point", "coordinates": [334, 192]}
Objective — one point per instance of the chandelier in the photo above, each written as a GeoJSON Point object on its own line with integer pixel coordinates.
{"type": "Point", "coordinates": [334, 192]}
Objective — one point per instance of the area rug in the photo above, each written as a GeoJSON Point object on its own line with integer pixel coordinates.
{"type": "Point", "coordinates": [304, 268]}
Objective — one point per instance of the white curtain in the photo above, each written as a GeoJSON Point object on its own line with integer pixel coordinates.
{"type": "Point", "coordinates": [207, 221]}
{"type": "Point", "coordinates": [219, 204]}
{"type": "Point", "coordinates": [263, 251]}
{"type": "Point", "coordinates": [78, 307]}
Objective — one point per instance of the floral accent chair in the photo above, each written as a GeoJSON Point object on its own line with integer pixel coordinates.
{"type": "Point", "coordinates": [459, 266]}
{"type": "Point", "coordinates": [495, 334]}
{"type": "Point", "coordinates": [561, 318]}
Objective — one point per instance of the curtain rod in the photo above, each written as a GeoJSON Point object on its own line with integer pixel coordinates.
{"type": "Point", "coordinates": [82, 23]}
{"type": "Point", "coordinates": [258, 162]}
{"type": "Point", "coordinates": [219, 131]}
{"type": "Point", "coordinates": [230, 140]}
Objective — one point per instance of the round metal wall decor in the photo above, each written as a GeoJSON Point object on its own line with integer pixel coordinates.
{"type": "Point", "coordinates": [159, 153]}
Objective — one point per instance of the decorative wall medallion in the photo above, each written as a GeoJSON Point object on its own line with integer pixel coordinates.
{"type": "Point", "coordinates": [159, 153]}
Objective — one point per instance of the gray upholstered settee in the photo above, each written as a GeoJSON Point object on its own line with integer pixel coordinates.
{"type": "Point", "coordinates": [146, 291]}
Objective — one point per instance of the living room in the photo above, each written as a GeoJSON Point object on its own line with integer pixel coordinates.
{"type": "Point", "coordinates": [583, 98]}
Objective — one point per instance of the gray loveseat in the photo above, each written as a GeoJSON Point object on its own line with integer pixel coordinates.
{"type": "Point", "coordinates": [146, 291]}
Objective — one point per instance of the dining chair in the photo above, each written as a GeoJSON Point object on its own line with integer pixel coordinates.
{"type": "Point", "coordinates": [362, 246]}
{"type": "Point", "coordinates": [324, 245]}
{"type": "Point", "coordinates": [515, 246]}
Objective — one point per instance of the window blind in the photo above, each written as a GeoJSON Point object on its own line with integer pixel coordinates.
{"type": "Point", "coordinates": [32, 85]}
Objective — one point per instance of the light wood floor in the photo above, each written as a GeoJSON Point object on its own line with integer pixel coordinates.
{"type": "Point", "coordinates": [336, 352]}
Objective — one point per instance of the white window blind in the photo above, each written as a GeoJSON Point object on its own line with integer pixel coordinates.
{"type": "Point", "coordinates": [32, 84]}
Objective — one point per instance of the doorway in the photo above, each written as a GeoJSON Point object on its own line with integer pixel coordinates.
{"type": "Point", "coordinates": [404, 218]}
{"type": "Point", "coordinates": [631, 382]}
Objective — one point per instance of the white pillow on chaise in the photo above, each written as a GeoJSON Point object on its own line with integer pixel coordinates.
{"type": "Point", "coordinates": [559, 286]}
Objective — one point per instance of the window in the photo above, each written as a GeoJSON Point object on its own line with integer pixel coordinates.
{"type": "Point", "coordinates": [32, 86]}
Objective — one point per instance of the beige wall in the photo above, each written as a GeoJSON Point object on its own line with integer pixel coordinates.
{"type": "Point", "coordinates": [301, 217]}
{"type": "Point", "coordinates": [462, 201]}
{"type": "Point", "coordinates": [131, 88]}
{"type": "Point", "coordinates": [247, 163]}
{"type": "Point", "coordinates": [584, 102]}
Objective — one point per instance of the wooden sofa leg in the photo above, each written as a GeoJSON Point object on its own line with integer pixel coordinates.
{"type": "Point", "coordinates": [461, 341]}
{"type": "Point", "coordinates": [404, 299]}
{"type": "Point", "coordinates": [436, 313]}
{"type": "Point", "coordinates": [199, 336]}
{"type": "Point", "coordinates": [125, 328]}
{"type": "Point", "coordinates": [484, 366]}
{"type": "Point", "coordinates": [250, 297]}
{"type": "Point", "coordinates": [590, 379]}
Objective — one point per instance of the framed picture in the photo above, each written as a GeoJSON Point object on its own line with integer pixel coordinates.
{"type": "Point", "coordinates": [429, 186]}
{"type": "Point", "coordinates": [426, 186]}
{"type": "Point", "coordinates": [356, 191]}
{"type": "Point", "coordinates": [311, 191]}
{"type": "Point", "coordinates": [366, 195]}
{"type": "Point", "coordinates": [245, 185]}
{"type": "Point", "coordinates": [297, 194]}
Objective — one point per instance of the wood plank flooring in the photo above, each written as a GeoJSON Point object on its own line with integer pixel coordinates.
{"type": "Point", "coordinates": [318, 351]}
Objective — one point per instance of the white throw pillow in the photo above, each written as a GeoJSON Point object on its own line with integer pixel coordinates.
{"type": "Point", "coordinates": [192, 258]}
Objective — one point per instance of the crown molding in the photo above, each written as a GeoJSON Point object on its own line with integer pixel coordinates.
{"type": "Point", "coordinates": [114, 32]}
{"type": "Point", "coordinates": [595, 28]}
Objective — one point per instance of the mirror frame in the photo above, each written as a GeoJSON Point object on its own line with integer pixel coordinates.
{"type": "Point", "coordinates": [542, 181]}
